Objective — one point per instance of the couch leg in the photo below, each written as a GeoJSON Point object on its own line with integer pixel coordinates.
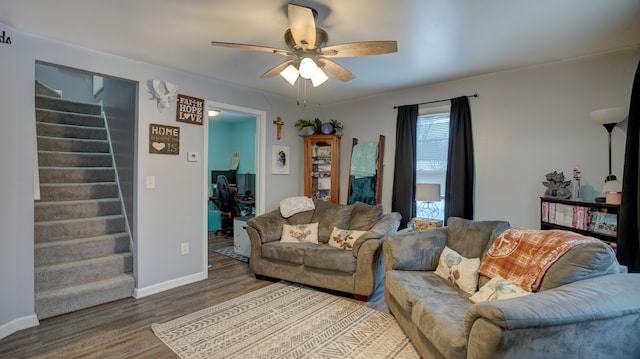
{"type": "Point", "coordinates": [362, 298]}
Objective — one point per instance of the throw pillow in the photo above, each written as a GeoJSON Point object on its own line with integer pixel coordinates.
{"type": "Point", "coordinates": [496, 289]}
{"type": "Point", "coordinates": [292, 205]}
{"type": "Point", "coordinates": [300, 233]}
{"type": "Point", "coordinates": [344, 238]}
{"type": "Point", "coordinates": [460, 271]}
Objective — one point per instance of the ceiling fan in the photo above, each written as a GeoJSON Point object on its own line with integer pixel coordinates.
{"type": "Point", "coordinates": [310, 56]}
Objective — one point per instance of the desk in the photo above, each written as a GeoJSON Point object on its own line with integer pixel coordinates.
{"type": "Point", "coordinates": [242, 202]}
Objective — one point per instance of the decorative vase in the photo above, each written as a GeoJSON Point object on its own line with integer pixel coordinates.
{"type": "Point", "coordinates": [338, 131]}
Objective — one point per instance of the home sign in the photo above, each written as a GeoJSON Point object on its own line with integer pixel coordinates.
{"type": "Point", "coordinates": [190, 110]}
{"type": "Point", "coordinates": [164, 139]}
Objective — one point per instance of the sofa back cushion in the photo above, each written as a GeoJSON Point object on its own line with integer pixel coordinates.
{"type": "Point", "coordinates": [300, 218]}
{"type": "Point", "coordinates": [581, 262]}
{"type": "Point", "coordinates": [329, 215]}
{"type": "Point", "coordinates": [472, 238]}
{"type": "Point", "coordinates": [364, 216]}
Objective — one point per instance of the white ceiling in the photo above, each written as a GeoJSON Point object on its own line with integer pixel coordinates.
{"type": "Point", "coordinates": [438, 40]}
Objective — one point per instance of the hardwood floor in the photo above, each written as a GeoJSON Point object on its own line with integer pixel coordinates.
{"type": "Point", "coordinates": [122, 329]}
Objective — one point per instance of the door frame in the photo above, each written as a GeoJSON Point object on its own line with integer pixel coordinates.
{"type": "Point", "coordinates": [260, 163]}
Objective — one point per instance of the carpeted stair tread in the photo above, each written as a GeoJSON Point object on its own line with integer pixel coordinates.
{"type": "Point", "coordinates": [68, 118]}
{"type": "Point", "coordinates": [65, 105]}
{"type": "Point", "coordinates": [76, 174]}
{"type": "Point", "coordinates": [46, 143]}
{"type": "Point", "coordinates": [47, 253]}
{"type": "Point", "coordinates": [74, 159]}
{"type": "Point", "coordinates": [50, 303]}
{"type": "Point", "coordinates": [57, 210]}
{"type": "Point", "coordinates": [48, 231]}
{"type": "Point", "coordinates": [70, 131]}
{"type": "Point", "coordinates": [82, 271]}
{"type": "Point", "coordinates": [77, 191]}
{"type": "Point", "coordinates": [81, 251]}
{"type": "Point", "coordinates": [44, 90]}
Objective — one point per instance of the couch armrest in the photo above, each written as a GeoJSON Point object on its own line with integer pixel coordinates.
{"type": "Point", "coordinates": [268, 226]}
{"type": "Point", "coordinates": [603, 297]}
{"type": "Point", "coordinates": [418, 251]}
{"type": "Point", "coordinates": [389, 223]}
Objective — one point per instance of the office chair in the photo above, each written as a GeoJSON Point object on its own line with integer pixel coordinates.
{"type": "Point", "coordinates": [226, 201]}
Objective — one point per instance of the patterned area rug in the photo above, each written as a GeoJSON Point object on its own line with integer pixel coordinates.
{"type": "Point", "coordinates": [285, 320]}
{"type": "Point", "coordinates": [229, 252]}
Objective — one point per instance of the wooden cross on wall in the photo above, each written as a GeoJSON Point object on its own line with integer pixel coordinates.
{"type": "Point", "coordinates": [279, 123]}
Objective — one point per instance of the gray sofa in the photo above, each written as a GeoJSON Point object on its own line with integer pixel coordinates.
{"type": "Point", "coordinates": [358, 271]}
{"type": "Point", "coordinates": [587, 305]}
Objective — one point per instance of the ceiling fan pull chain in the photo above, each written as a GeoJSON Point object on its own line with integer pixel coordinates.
{"type": "Point", "coordinates": [298, 95]}
{"type": "Point", "coordinates": [305, 93]}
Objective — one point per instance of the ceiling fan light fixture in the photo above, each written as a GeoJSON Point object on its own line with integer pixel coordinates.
{"type": "Point", "coordinates": [319, 78]}
{"type": "Point", "coordinates": [308, 68]}
{"type": "Point", "coordinates": [290, 73]}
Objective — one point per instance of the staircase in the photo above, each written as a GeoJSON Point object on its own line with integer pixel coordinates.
{"type": "Point", "coordinates": [82, 255]}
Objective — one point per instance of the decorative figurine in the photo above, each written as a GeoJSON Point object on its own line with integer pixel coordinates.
{"type": "Point", "coordinates": [556, 185]}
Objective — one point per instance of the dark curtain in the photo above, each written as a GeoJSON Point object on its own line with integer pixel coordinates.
{"type": "Point", "coordinates": [458, 198]}
{"type": "Point", "coordinates": [628, 230]}
{"type": "Point", "coordinates": [404, 174]}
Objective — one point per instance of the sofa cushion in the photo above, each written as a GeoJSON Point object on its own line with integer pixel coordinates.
{"type": "Point", "coordinates": [458, 270]}
{"type": "Point", "coordinates": [584, 261]}
{"type": "Point", "coordinates": [329, 215]}
{"type": "Point", "coordinates": [364, 216]}
{"type": "Point", "coordinates": [329, 258]}
{"type": "Point", "coordinates": [300, 233]}
{"type": "Point", "coordinates": [286, 252]}
{"type": "Point", "coordinates": [471, 238]}
{"type": "Point", "coordinates": [440, 315]}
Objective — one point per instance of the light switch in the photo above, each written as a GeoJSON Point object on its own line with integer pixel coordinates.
{"type": "Point", "coordinates": [151, 181]}
{"type": "Point", "coordinates": [192, 156]}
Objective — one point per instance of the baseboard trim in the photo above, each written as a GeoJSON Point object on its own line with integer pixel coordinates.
{"type": "Point", "coordinates": [18, 324]}
{"type": "Point", "coordinates": [174, 283]}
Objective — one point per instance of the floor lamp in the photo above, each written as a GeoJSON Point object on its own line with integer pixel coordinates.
{"type": "Point", "coordinates": [428, 194]}
{"type": "Point", "coordinates": [609, 118]}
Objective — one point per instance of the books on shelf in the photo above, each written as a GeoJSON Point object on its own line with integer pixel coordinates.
{"type": "Point", "coordinates": [586, 218]}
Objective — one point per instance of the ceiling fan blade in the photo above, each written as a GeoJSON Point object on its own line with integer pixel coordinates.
{"type": "Point", "coordinates": [276, 69]}
{"type": "Point", "coordinates": [364, 48]}
{"type": "Point", "coordinates": [336, 71]}
{"type": "Point", "coordinates": [303, 26]}
{"type": "Point", "coordinates": [234, 45]}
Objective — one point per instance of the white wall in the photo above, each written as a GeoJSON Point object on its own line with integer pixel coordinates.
{"type": "Point", "coordinates": [526, 123]}
{"type": "Point", "coordinates": [166, 216]}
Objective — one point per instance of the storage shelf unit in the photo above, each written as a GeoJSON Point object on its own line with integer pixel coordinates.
{"type": "Point", "coordinates": [322, 167]}
{"type": "Point", "coordinates": [598, 220]}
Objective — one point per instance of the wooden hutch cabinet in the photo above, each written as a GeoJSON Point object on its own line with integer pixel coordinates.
{"type": "Point", "coordinates": [322, 167]}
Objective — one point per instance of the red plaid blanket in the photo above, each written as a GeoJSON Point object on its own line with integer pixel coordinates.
{"type": "Point", "coordinates": [523, 256]}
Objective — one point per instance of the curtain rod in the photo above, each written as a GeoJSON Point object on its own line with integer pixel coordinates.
{"type": "Point", "coordinates": [426, 103]}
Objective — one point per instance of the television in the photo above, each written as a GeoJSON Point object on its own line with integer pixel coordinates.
{"type": "Point", "coordinates": [231, 176]}
{"type": "Point", "coordinates": [246, 184]}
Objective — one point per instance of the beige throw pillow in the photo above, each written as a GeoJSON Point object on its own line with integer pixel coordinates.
{"type": "Point", "coordinates": [301, 233]}
{"type": "Point", "coordinates": [458, 270]}
{"type": "Point", "coordinates": [496, 289]}
{"type": "Point", "coordinates": [344, 238]}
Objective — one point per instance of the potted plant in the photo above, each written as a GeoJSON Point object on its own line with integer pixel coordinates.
{"type": "Point", "coordinates": [305, 127]}
{"type": "Point", "coordinates": [337, 126]}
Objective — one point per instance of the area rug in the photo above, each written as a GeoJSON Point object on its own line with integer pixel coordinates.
{"type": "Point", "coordinates": [229, 252]}
{"type": "Point", "coordinates": [285, 320]}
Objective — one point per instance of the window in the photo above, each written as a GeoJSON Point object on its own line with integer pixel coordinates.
{"type": "Point", "coordinates": [432, 134]}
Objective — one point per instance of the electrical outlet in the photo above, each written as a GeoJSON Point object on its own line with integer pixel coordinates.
{"type": "Point", "coordinates": [185, 248]}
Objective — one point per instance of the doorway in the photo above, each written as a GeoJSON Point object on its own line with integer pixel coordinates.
{"type": "Point", "coordinates": [234, 141]}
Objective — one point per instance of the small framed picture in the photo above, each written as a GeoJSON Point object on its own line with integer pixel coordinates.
{"type": "Point", "coordinates": [280, 160]}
